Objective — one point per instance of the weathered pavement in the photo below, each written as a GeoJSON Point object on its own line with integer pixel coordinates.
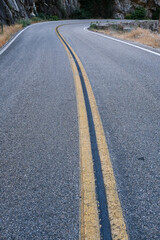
{"type": "Point", "coordinates": [39, 139]}
{"type": "Point", "coordinates": [39, 132]}
{"type": "Point", "coordinates": [125, 82]}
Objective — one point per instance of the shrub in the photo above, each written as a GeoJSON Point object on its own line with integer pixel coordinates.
{"type": "Point", "coordinates": [24, 22]}
{"type": "Point", "coordinates": [36, 19]}
{"type": "Point", "coordinates": [128, 16]}
{"type": "Point", "coordinates": [53, 18]}
{"type": "Point", "coordinates": [139, 13]}
{"type": "Point", "coordinates": [93, 25]}
{"type": "Point", "coordinates": [42, 17]}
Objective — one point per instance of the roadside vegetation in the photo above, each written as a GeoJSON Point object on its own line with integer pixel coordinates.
{"type": "Point", "coordinates": [143, 36]}
{"type": "Point", "coordinates": [139, 35]}
{"type": "Point", "coordinates": [42, 18]}
{"type": "Point", "coordinates": [23, 22]}
{"type": "Point", "coordinates": [141, 14]}
{"type": "Point", "coordinates": [6, 32]}
{"type": "Point", "coordinates": [94, 9]}
{"type": "Point", "coordinates": [138, 14]}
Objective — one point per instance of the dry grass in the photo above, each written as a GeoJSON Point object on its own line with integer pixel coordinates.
{"type": "Point", "coordinates": [8, 32]}
{"type": "Point", "coordinates": [139, 35]}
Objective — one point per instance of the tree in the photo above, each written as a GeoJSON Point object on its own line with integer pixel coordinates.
{"type": "Point", "coordinates": [98, 8]}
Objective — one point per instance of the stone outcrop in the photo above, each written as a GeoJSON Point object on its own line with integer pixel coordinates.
{"type": "Point", "coordinates": [11, 10]}
{"type": "Point", "coordinates": [70, 6]}
{"type": "Point", "coordinates": [60, 8]}
{"type": "Point", "coordinates": [123, 7]}
{"type": "Point", "coordinates": [128, 25]}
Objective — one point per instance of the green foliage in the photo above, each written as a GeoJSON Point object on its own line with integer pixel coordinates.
{"type": "Point", "coordinates": [41, 17]}
{"type": "Point", "coordinates": [96, 8]}
{"type": "Point", "coordinates": [156, 14]}
{"type": "Point", "coordinates": [24, 22]}
{"type": "Point", "coordinates": [36, 19]}
{"type": "Point", "coordinates": [81, 14]}
{"type": "Point", "coordinates": [128, 16]}
{"type": "Point", "coordinates": [139, 13]}
{"type": "Point", "coordinates": [52, 18]}
{"type": "Point", "coordinates": [93, 26]}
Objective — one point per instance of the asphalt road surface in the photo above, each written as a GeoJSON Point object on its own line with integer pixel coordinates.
{"type": "Point", "coordinates": [39, 139]}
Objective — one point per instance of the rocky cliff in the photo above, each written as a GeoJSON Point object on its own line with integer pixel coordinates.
{"type": "Point", "coordinates": [60, 8]}
{"type": "Point", "coordinates": [11, 10]}
{"type": "Point", "coordinates": [122, 7]}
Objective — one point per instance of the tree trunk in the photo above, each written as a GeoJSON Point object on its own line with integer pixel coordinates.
{"type": "Point", "coordinates": [159, 24]}
{"type": "Point", "coordinates": [1, 24]}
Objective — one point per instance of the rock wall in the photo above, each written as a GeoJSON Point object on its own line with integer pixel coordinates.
{"type": "Point", "coordinates": [70, 6]}
{"type": "Point", "coordinates": [60, 8]}
{"type": "Point", "coordinates": [128, 25]}
{"type": "Point", "coordinates": [122, 7]}
{"type": "Point", "coordinates": [11, 10]}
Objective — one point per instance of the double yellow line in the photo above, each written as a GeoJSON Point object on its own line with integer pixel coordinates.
{"type": "Point", "coordinates": [90, 223]}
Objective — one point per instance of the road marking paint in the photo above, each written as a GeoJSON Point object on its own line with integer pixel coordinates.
{"type": "Point", "coordinates": [9, 44]}
{"type": "Point", "coordinates": [118, 228]}
{"type": "Point", "coordinates": [89, 222]}
{"type": "Point", "coordinates": [5, 47]}
{"type": "Point", "coordinates": [117, 40]}
{"type": "Point", "coordinates": [117, 222]}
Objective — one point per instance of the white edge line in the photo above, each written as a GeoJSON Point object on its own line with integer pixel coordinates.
{"type": "Point", "coordinates": [114, 39]}
{"type": "Point", "coordinates": [9, 44]}
{"type": "Point", "coordinates": [117, 40]}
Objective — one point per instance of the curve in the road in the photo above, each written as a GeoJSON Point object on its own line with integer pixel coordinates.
{"type": "Point", "coordinates": [127, 43]}
{"type": "Point", "coordinates": [109, 210]}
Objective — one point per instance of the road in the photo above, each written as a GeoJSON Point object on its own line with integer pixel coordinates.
{"type": "Point", "coordinates": [39, 131]}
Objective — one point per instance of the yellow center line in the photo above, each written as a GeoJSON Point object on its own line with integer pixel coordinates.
{"type": "Point", "coordinates": [90, 228]}
{"type": "Point", "coordinates": [89, 221]}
